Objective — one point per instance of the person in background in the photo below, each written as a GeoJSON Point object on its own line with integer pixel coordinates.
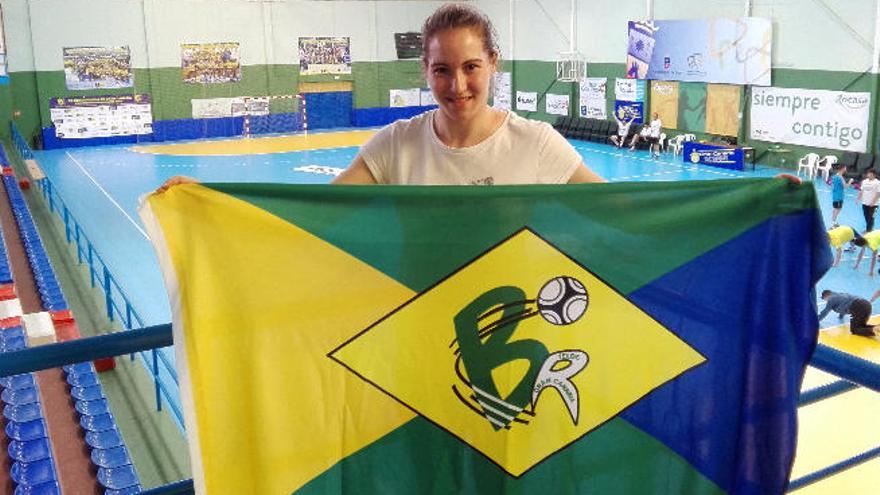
{"type": "Point", "coordinates": [838, 184]}
{"type": "Point", "coordinates": [869, 195]}
{"type": "Point", "coordinates": [623, 127]}
{"type": "Point", "coordinates": [651, 134]}
{"type": "Point", "coordinates": [859, 310]}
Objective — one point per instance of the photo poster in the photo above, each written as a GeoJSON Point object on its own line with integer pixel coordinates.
{"type": "Point", "coordinates": [527, 101]}
{"type": "Point", "coordinates": [810, 117]}
{"type": "Point", "coordinates": [215, 108]}
{"type": "Point", "coordinates": [664, 101]}
{"type": "Point", "coordinates": [4, 68]}
{"type": "Point", "coordinates": [591, 98]}
{"type": "Point", "coordinates": [83, 117]}
{"type": "Point", "coordinates": [210, 63]}
{"type": "Point", "coordinates": [723, 109]}
{"type": "Point", "coordinates": [426, 97]}
{"type": "Point", "coordinates": [556, 104]}
{"type": "Point", "coordinates": [408, 45]}
{"type": "Point", "coordinates": [94, 67]}
{"type": "Point", "coordinates": [405, 97]}
{"type": "Point", "coordinates": [629, 99]}
{"type": "Point", "coordinates": [720, 50]}
{"type": "Point", "coordinates": [626, 110]}
{"type": "Point", "coordinates": [324, 55]}
{"type": "Point", "coordinates": [502, 90]}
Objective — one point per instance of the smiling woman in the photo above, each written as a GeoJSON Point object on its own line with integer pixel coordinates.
{"type": "Point", "coordinates": [464, 141]}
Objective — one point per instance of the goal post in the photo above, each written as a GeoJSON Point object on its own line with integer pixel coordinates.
{"type": "Point", "coordinates": [274, 114]}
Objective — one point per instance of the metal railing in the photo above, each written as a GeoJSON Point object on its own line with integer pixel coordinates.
{"type": "Point", "coordinates": [117, 302]}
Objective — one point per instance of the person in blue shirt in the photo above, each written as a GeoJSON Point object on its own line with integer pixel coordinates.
{"type": "Point", "coordinates": [859, 310]}
{"type": "Point", "coordinates": [837, 187]}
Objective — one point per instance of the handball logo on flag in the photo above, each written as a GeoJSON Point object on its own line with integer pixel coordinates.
{"type": "Point", "coordinates": [519, 353]}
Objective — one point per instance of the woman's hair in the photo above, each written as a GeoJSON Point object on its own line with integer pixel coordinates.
{"type": "Point", "coordinates": [454, 16]}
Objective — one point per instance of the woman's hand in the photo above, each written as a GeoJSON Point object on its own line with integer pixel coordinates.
{"type": "Point", "coordinates": [174, 181]}
{"type": "Point", "coordinates": [792, 179]}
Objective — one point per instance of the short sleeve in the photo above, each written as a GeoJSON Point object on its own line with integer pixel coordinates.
{"type": "Point", "coordinates": [558, 160]}
{"type": "Point", "coordinates": [377, 152]}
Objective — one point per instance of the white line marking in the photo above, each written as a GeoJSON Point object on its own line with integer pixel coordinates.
{"type": "Point", "coordinates": [78, 164]}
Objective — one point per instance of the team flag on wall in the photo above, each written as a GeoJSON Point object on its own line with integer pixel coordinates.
{"type": "Point", "coordinates": [613, 338]}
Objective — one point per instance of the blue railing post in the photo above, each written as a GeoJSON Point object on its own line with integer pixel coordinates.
{"type": "Point", "coordinates": [49, 196]}
{"type": "Point", "coordinates": [79, 257]}
{"type": "Point", "coordinates": [66, 223]}
{"type": "Point", "coordinates": [156, 379]}
{"type": "Point", "coordinates": [90, 255]}
{"type": "Point", "coordinates": [108, 295]}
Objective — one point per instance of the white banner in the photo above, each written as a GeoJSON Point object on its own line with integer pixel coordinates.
{"type": "Point", "coordinates": [811, 117]}
{"type": "Point", "coordinates": [426, 98]}
{"type": "Point", "coordinates": [629, 89]}
{"type": "Point", "coordinates": [556, 104]}
{"type": "Point", "coordinates": [594, 109]}
{"type": "Point", "coordinates": [527, 101]}
{"type": "Point", "coordinates": [592, 97]}
{"type": "Point", "coordinates": [405, 97]}
{"type": "Point", "coordinates": [215, 108]}
{"type": "Point", "coordinates": [501, 98]}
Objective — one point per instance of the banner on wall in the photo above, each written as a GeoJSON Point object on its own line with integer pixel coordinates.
{"type": "Point", "coordinates": [324, 55]}
{"type": "Point", "coordinates": [722, 109]}
{"type": "Point", "coordinates": [527, 101]}
{"type": "Point", "coordinates": [93, 67]}
{"type": "Point", "coordinates": [811, 117]}
{"type": "Point", "coordinates": [215, 108]}
{"type": "Point", "coordinates": [210, 63]}
{"type": "Point", "coordinates": [629, 89]}
{"type": "Point", "coordinates": [501, 94]}
{"type": "Point", "coordinates": [426, 97]}
{"type": "Point", "coordinates": [84, 117]}
{"type": "Point", "coordinates": [664, 101]}
{"type": "Point", "coordinates": [405, 97]}
{"type": "Point", "coordinates": [4, 71]}
{"type": "Point", "coordinates": [556, 104]}
{"type": "Point", "coordinates": [592, 97]}
{"type": "Point", "coordinates": [626, 110]}
{"type": "Point", "coordinates": [721, 50]}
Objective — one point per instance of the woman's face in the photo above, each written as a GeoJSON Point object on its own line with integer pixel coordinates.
{"type": "Point", "coordinates": [459, 72]}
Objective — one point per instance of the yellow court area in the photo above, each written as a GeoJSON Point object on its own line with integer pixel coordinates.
{"type": "Point", "coordinates": [261, 146]}
{"type": "Point", "coordinates": [843, 426]}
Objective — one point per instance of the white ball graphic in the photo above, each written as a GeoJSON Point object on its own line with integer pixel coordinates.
{"type": "Point", "coordinates": [563, 300]}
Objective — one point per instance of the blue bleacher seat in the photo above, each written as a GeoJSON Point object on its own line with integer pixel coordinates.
{"type": "Point", "coordinates": [23, 414]}
{"type": "Point", "coordinates": [49, 488]}
{"type": "Point", "coordinates": [33, 473]}
{"type": "Point", "coordinates": [110, 458]}
{"type": "Point", "coordinates": [117, 478]}
{"type": "Point", "coordinates": [106, 439]}
{"type": "Point", "coordinates": [83, 380]}
{"type": "Point", "coordinates": [20, 397]}
{"type": "Point", "coordinates": [87, 393]}
{"type": "Point", "coordinates": [100, 422]}
{"type": "Point", "coordinates": [13, 345]}
{"type": "Point", "coordinates": [131, 490]}
{"type": "Point", "coordinates": [24, 380]}
{"type": "Point", "coordinates": [8, 333]}
{"type": "Point", "coordinates": [30, 451]}
{"type": "Point", "coordinates": [26, 431]}
{"type": "Point", "coordinates": [79, 368]}
{"type": "Point", "coordinates": [92, 407]}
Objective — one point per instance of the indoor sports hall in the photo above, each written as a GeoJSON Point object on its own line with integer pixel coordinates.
{"type": "Point", "coordinates": [105, 100]}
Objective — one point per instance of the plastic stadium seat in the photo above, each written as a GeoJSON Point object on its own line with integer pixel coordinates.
{"type": "Point", "coordinates": [49, 488]}
{"type": "Point", "coordinates": [26, 431]}
{"type": "Point", "coordinates": [110, 458]}
{"type": "Point", "coordinates": [23, 414]}
{"type": "Point", "coordinates": [92, 407]}
{"type": "Point", "coordinates": [118, 478]}
{"type": "Point", "coordinates": [87, 393]}
{"type": "Point", "coordinates": [131, 490]}
{"type": "Point", "coordinates": [30, 451]}
{"type": "Point", "coordinates": [12, 345]}
{"type": "Point", "coordinates": [20, 397]}
{"type": "Point", "coordinates": [83, 380]}
{"type": "Point", "coordinates": [106, 439]}
{"type": "Point", "coordinates": [11, 332]}
{"type": "Point", "coordinates": [33, 473]}
{"type": "Point", "coordinates": [101, 422]}
{"type": "Point", "coordinates": [25, 380]}
{"type": "Point", "coordinates": [79, 368]}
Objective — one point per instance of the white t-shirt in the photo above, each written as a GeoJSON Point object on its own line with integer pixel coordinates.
{"type": "Point", "coordinates": [521, 151]}
{"type": "Point", "coordinates": [654, 128]}
{"type": "Point", "coordinates": [623, 129]}
{"type": "Point", "coordinates": [870, 190]}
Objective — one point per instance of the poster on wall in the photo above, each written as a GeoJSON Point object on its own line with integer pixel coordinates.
{"type": "Point", "coordinates": [501, 94]}
{"type": "Point", "coordinates": [84, 117]}
{"type": "Point", "coordinates": [527, 101]}
{"type": "Point", "coordinates": [4, 71]}
{"type": "Point", "coordinates": [324, 55]}
{"type": "Point", "coordinates": [93, 67]}
{"type": "Point", "coordinates": [722, 109]}
{"type": "Point", "coordinates": [664, 101]}
{"type": "Point", "coordinates": [215, 108]}
{"type": "Point", "coordinates": [592, 97]}
{"type": "Point", "coordinates": [720, 50]}
{"type": "Point", "coordinates": [626, 110]}
{"type": "Point", "coordinates": [426, 97]}
{"type": "Point", "coordinates": [811, 117]}
{"type": "Point", "coordinates": [629, 89]}
{"type": "Point", "coordinates": [210, 63]}
{"type": "Point", "coordinates": [408, 45]}
{"type": "Point", "coordinates": [405, 97]}
{"type": "Point", "coordinates": [556, 104]}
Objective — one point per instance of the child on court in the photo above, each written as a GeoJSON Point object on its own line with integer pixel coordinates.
{"type": "Point", "coordinates": [840, 235]}
{"type": "Point", "coordinates": [838, 184]}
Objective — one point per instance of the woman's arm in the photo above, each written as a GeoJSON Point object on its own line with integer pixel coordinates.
{"type": "Point", "coordinates": [583, 175]}
{"type": "Point", "coordinates": [356, 173]}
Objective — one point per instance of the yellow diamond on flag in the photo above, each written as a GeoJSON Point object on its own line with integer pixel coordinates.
{"type": "Point", "coordinates": [519, 353]}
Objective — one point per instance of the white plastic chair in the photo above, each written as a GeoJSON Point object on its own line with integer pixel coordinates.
{"type": "Point", "coordinates": [808, 163]}
{"type": "Point", "coordinates": [825, 165]}
{"type": "Point", "coordinates": [661, 144]}
{"type": "Point", "coordinates": [675, 144]}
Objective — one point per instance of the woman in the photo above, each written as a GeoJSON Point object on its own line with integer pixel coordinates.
{"type": "Point", "coordinates": [465, 141]}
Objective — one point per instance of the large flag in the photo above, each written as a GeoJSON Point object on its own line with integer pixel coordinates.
{"type": "Point", "coordinates": [603, 338]}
